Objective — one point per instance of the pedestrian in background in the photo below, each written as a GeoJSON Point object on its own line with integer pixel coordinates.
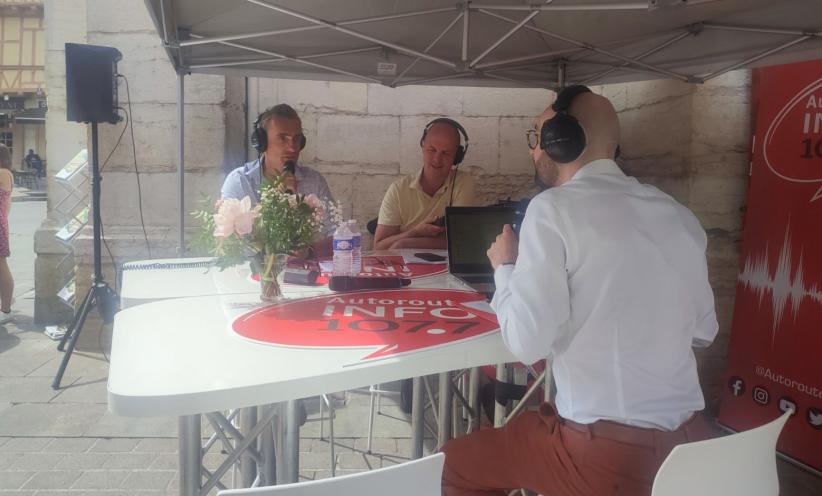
{"type": "Point", "coordinates": [6, 279]}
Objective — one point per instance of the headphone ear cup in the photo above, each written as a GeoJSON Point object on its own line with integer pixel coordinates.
{"type": "Point", "coordinates": [460, 155]}
{"type": "Point", "coordinates": [259, 139]}
{"type": "Point", "coordinates": [303, 141]}
{"type": "Point", "coordinates": [562, 138]}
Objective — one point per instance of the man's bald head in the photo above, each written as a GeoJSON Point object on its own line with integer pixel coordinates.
{"type": "Point", "coordinates": [598, 118]}
{"type": "Point", "coordinates": [601, 124]}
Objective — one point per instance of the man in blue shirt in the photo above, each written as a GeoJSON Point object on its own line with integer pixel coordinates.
{"type": "Point", "coordinates": [280, 138]}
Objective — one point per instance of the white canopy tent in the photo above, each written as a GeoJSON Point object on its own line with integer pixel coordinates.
{"type": "Point", "coordinates": [510, 43]}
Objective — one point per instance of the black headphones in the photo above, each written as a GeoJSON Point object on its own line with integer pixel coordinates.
{"type": "Point", "coordinates": [461, 149]}
{"type": "Point", "coordinates": [259, 137]}
{"type": "Point", "coordinates": [562, 137]}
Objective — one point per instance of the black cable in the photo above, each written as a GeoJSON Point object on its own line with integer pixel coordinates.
{"type": "Point", "coordinates": [119, 138]}
{"type": "Point", "coordinates": [102, 231]}
{"type": "Point", "coordinates": [453, 180]}
{"type": "Point", "coordinates": [113, 262]}
{"type": "Point", "coordinates": [136, 170]}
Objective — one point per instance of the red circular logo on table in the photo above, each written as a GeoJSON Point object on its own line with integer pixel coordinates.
{"type": "Point", "coordinates": [395, 266]}
{"type": "Point", "coordinates": [397, 321]}
{"type": "Point", "coordinates": [390, 266]}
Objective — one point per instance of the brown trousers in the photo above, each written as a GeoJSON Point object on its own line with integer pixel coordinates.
{"type": "Point", "coordinates": [545, 453]}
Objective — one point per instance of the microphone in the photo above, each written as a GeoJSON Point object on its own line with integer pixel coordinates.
{"type": "Point", "coordinates": [352, 283]}
{"type": "Point", "coordinates": [289, 167]}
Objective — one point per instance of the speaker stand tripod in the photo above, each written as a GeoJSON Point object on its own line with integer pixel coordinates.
{"type": "Point", "coordinates": [100, 295]}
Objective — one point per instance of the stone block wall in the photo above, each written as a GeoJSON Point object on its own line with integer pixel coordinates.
{"type": "Point", "coordinates": [362, 137]}
{"type": "Point", "coordinates": [66, 23]}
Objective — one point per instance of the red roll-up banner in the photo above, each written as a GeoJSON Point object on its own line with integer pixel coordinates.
{"type": "Point", "coordinates": [775, 350]}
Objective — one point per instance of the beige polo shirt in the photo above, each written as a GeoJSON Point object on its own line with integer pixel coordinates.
{"type": "Point", "coordinates": [405, 204]}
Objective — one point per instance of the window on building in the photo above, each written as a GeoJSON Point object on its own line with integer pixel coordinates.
{"type": "Point", "coordinates": [5, 120]}
{"type": "Point", "coordinates": [6, 139]}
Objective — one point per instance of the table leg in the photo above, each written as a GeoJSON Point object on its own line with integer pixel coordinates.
{"type": "Point", "coordinates": [268, 470]}
{"type": "Point", "coordinates": [500, 411]}
{"type": "Point", "coordinates": [248, 469]}
{"type": "Point", "coordinates": [288, 463]}
{"type": "Point", "coordinates": [473, 399]}
{"type": "Point", "coordinates": [190, 454]}
{"type": "Point", "coordinates": [549, 383]}
{"type": "Point", "coordinates": [444, 417]}
{"type": "Point", "coordinates": [417, 427]}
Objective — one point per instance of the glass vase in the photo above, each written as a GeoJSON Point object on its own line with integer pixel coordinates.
{"type": "Point", "coordinates": [271, 277]}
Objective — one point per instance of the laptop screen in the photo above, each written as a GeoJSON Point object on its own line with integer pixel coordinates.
{"type": "Point", "coordinates": [470, 231]}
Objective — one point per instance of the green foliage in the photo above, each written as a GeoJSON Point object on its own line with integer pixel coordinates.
{"type": "Point", "coordinates": [286, 224]}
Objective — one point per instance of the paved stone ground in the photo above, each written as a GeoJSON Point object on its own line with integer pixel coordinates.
{"type": "Point", "coordinates": [66, 442]}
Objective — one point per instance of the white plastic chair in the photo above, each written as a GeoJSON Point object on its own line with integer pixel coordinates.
{"type": "Point", "coordinates": [742, 464]}
{"type": "Point", "coordinates": [422, 477]}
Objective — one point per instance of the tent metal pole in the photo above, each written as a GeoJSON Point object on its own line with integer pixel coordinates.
{"type": "Point", "coordinates": [500, 64]}
{"type": "Point", "coordinates": [631, 68]}
{"type": "Point", "coordinates": [235, 37]}
{"type": "Point", "coordinates": [337, 27]}
{"type": "Point", "coordinates": [181, 157]}
{"type": "Point", "coordinates": [504, 37]}
{"type": "Point", "coordinates": [640, 56]}
{"type": "Point", "coordinates": [301, 61]}
{"type": "Point", "coordinates": [598, 50]}
{"type": "Point", "coordinates": [575, 49]}
{"type": "Point", "coordinates": [529, 84]}
{"type": "Point", "coordinates": [567, 8]}
{"type": "Point", "coordinates": [728, 27]}
{"type": "Point", "coordinates": [455, 75]}
{"type": "Point", "coordinates": [429, 47]}
{"type": "Point", "coordinates": [466, 14]}
{"type": "Point", "coordinates": [561, 72]}
{"type": "Point", "coordinates": [272, 60]}
{"type": "Point", "coordinates": [755, 58]}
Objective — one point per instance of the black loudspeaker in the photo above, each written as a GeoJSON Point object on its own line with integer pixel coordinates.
{"type": "Point", "coordinates": [91, 83]}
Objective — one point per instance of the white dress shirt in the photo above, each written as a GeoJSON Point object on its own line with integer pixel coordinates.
{"type": "Point", "coordinates": [611, 284]}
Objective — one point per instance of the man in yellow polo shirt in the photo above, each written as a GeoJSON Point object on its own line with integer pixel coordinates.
{"type": "Point", "coordinates": [413, 204]}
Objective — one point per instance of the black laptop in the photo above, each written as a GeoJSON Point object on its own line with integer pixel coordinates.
{"type": "Point", "coordinates": [471, 231]}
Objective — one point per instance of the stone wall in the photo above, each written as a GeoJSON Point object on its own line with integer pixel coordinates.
{"type": "Point", "coordinates": [362, 137]}
{"type": "Point", "coordinates": [65, 23]}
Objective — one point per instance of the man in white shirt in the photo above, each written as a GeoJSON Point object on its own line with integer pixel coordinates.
{"type": "Point", "coordinates": [609, 282]}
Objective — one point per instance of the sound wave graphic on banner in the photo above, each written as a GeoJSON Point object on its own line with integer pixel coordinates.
{"type": "Point", "coordinates": [756, 276]}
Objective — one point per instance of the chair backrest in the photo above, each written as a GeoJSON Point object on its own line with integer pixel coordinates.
{"type": "Point", "coordinates": [422, 477]}
{"type": "Point", "coordinates": [742, 464]}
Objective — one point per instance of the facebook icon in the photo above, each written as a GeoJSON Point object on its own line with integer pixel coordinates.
{"type": "Point", "coordinates": [737, 386]}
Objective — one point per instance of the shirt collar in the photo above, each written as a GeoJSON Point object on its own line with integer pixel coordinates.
{"type": "Point", "coordinates": [415, 183]}
{"type": "Point", "coordinates": [253, 170]}
{"type": "Point", "coordinates": [597, 167]}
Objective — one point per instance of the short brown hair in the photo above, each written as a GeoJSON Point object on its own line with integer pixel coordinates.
{"type": "Point", "coordinates": [5, 157]}
{"type": "Point", "coordinates": [283, 110]}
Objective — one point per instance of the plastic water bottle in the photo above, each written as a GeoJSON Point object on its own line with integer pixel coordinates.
{"type": "Point", "coordinates": [356, 254]}
{"type": "Point", "coordinates": [343, 245]}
